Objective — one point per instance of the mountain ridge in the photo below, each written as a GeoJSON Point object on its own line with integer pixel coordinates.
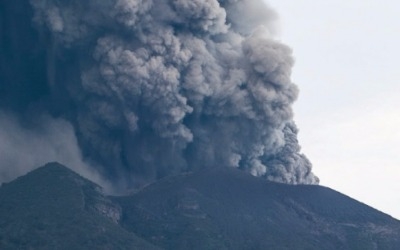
{"type": "Point", "coordinates": [262, 211]}
{"type": "Point", "coordinates": [217, 208]}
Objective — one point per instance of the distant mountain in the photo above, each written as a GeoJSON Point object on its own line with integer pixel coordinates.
{"type": "Point", "coordinates": [220, 208]}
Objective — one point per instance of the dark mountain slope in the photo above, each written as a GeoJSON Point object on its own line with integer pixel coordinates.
{"type": "Point", "coordinates": [227, 209]}
{"type": "Point", "coordinates": [223, 208]}
{"type": "Point", "coordinates": [54, 208]}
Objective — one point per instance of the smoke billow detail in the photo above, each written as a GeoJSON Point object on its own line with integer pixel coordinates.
{"type": "Point", "coordinates": [156, 88]}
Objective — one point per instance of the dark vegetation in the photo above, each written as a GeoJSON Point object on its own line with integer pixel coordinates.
{"type": "Point", "coordinates": [54, 208]}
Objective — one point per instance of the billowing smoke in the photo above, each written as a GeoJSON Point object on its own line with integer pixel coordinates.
{"type": "Point", "coordinates": [155, 88]}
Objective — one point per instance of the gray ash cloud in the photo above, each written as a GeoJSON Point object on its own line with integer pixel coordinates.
{"type": "Point", "coordinates": [156, 88]}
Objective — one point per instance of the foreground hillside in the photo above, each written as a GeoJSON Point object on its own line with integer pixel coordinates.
{"type": "Point", "coordinates": [54, 208]}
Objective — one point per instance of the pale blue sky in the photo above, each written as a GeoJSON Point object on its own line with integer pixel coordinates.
{"type": "Point", "coordinates": [347, 67]}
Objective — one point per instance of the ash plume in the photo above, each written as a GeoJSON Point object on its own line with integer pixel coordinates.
{"type": "Point", "coordinates": [156, 88]}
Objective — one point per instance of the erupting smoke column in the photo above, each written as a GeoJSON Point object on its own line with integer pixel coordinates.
{"type": "Point", "coordinates": [155, 88]}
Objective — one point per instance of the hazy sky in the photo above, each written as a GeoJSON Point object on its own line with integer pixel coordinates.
{"type": "Point", "coordinates": [347, 67]}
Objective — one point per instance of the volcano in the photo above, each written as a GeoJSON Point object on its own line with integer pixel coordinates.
{"type": "Point", "coordinates": [183, 106]}
{"type": "Point", "coordinates": [219, 208]}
